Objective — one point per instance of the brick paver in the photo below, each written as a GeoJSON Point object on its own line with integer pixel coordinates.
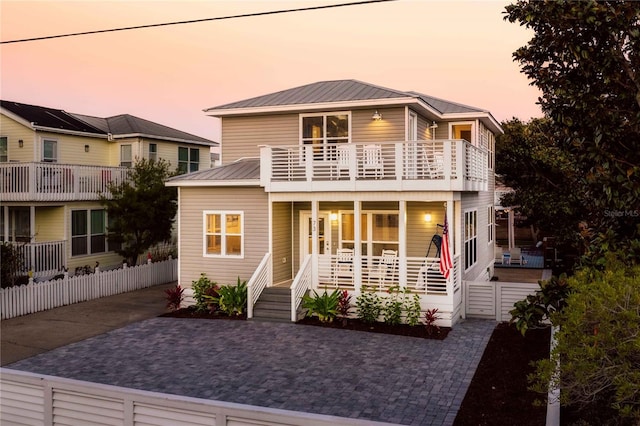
{"type": "Point", "coordinates": [345, 373]}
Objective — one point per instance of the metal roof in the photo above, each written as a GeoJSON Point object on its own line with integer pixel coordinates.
{"type": "Point", "coordinates": [320, 92]}
{"type": "Point", "coordinates": [124, 124]}
{"type": "Point", "coordinates": [343, 91]}
{"type": "Point", "coordinates": [247, 169]}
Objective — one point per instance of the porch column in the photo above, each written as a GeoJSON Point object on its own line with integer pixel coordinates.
{"type": "Point", "coordinates": [32, 238]}
{"type": "Point", "coordinates": [357, 247]}
{"type": "Point", "coordinates": [5, 212]}
{"type": "Point", "coordinates": [402, 244]}
{"type": "Point", "coordinates": [511, 229]}
{"type": "Point", "coordinates": [314, 243]}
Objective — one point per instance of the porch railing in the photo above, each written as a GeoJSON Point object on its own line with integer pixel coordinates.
{"type": "Point", "coordinates": [407, 165]}
{"type": "Point", "coordinates": [260, 279]}
{"type": "Point", "coordinates": [56, 182]}
{"type": "Point", "coordinates": [422, 275]}
{"type": "Point", "coordinates": [301, 284]}
{"type": "Point", "coordinates": [44, 258]}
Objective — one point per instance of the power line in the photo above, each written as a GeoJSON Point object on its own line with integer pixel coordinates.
{"type": "Point", "coordinates": [193, 21]}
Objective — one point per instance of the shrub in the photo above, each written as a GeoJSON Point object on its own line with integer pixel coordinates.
{"type": "Point", "coordinates": [232, 298]}
{"type": "Point", "coordinates": [205, 292]}
{"type": "Point", "coordinates": [369, 305]}
{"type": "Point", "coordinates": [430, 318]}
{"type": "Point", "coordinates": [174, 297]}
{"type": "Point", "coordinates": [11, 266]}
{"type": "Point", "coordinates": [599, 346]}
{"type": "Point", "coordinates": [392, 307]}
{"type": "Point", "coordinates": [344, 305]}
{"type": "Point", "coordinates": [412, 308]}
{"type": "Point", "coordinates": [324, 306]}
{"type": "Point", "coordinates": [537, 308]}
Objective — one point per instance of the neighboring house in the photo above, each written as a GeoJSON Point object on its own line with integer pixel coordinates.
{"type": "Point", "coordinates": [316, 181]}
{"type": "Point", "coordinates": [53, 164]}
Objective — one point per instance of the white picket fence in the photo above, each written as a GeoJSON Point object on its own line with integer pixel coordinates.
{"type": "Point", "coordinates": [41, 296]}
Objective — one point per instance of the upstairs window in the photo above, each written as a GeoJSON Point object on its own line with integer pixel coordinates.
{"type": "Point", "coordinates": [470, 238]}
{"type": "Point", "coordinates": [50, 150]}
{"type": "Point", "coordinates": [126, 156]}
{"type": "Point", "coordinates": [188, 159]}
{"type": "Point", "coordinates": [4, 156]}
{"type": "Point", "coordinates": [324, 131]}
{"type": "Point", "coordinates": [153, 151]}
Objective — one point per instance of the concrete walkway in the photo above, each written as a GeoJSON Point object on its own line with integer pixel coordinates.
{"type": "Point", "coordinates": [29, 335]}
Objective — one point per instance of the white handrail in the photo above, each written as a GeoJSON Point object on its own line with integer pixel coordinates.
{"type": "Point", "coordinates": [301, 284]}
{"type": "Point", "coordinates": [260, 279]}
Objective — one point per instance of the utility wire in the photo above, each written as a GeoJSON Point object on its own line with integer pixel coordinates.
{"type": "Point", "coordinates": [246, 15]}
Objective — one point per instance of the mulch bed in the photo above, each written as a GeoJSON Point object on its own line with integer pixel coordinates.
{"type": "Point", "coordinates": [190, 312]}
{"type": "Point", "coordinates": [380, 327]}
{"type": "Point", "coordinates": [498, 393]}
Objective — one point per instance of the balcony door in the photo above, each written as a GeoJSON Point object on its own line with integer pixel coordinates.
{"type": "Point", "coordinates": [411, 155]}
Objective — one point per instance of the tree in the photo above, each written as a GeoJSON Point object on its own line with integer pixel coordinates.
{"type": "Point", "coordinates": [141, 210]}
{"type": "Point", "coordinates": [543, 177]}
{"type": "Point", "coordinates": [598, 346]}
{"type": "Point", "coordinates": [585, 58]}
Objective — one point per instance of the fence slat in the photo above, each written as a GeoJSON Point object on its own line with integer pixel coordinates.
{"type": "Point", "coordinates": [41, 296]}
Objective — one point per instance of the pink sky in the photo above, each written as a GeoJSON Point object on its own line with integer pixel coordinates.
{"type": "Point", "coordinates": [460, 51]}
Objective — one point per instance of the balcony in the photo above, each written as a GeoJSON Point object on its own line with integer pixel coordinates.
{"type": "Point", "coordinates": [429, 165]}
{"type": "Point", "coordinates": [56, 182]}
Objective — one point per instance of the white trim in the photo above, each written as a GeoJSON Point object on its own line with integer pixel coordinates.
{"type": "Point", "coordinates": [318, 106]}
{"type": "Point", "coordinates": [223, 234]}
{"type": "Point", "coordinates": [56, 156]}
{"type": "Point", "coordinates": [214, 183]}
{"type": "Point", "coordinates": [164, 138]}
{"type": "Point", "coordinates": [474, 129]}
{"type": "Point", "coordinates": [465, 239]}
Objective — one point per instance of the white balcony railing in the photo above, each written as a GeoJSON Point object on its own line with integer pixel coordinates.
{"type": "Point", "coordinates": [449, 165]}
{"type": "Point", "coordinates": [56, 182]}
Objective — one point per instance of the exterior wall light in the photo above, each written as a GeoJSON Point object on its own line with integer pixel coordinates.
{"type": "Point", "coordinates": [427, 217]}
{"type": "Point", "coordinates": [86, 148]}
{"type": "Point", "coordinates": [334, 217]}
{"type": "Point", "coordinates": [376, 116]}
{"type": "Point", "coordinates": [20, 143]}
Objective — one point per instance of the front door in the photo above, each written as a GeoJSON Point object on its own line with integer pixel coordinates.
{"type": "Point", "coordinates": [323, 249]}
{"type": "Point", "coordinates": [306, 232]}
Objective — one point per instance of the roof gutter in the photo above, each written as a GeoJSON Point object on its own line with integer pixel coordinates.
{"type": "Point", "coordinates": [67, 132]}
{"type": "Point", "coordinates": [208, 183]}
{"type": "Point", "coordinates": [221, 112]}
{"type": "Point", "coordinates": [167, 138]}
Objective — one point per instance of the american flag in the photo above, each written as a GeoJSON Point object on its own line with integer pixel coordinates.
{"type": "Point", "coordinates": [445, 256]}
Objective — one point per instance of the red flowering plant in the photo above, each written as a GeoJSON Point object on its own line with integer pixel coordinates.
{"type": "Point", "coordinates": [430, 318]}
{"type": "Point", "coordinates": [174, 297]}
{"type": "Point", "coordinates": [344, 306]}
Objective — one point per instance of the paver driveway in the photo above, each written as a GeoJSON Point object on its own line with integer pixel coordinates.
{"type": "Point", "coordinates": [345, 373]}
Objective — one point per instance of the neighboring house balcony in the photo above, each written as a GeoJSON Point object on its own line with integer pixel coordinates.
{"type": "Point", "coordinates": [434, 165]}
{"type": "Point", "coordinates": [56, 182]}
{"type": "Point", "coordinates": [43, 258]}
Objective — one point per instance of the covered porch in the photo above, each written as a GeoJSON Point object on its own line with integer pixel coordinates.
{"type": "Point", "coordinates": [366, 245]}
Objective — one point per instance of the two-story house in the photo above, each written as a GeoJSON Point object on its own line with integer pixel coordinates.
{"type": "Point", "coordinates": [344, 184]}
{"type": "Point", "coordinates": [53, 164]}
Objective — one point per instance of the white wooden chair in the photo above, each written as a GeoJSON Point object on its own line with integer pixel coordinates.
{"type": "Point", "coordinates": [343, 269]}
{"type": "Point", "coordinates": [372, 161]}
{"type": "Point", "coordinates": [516, 255]}
{"type": "Point", "coordinates": [342, 160]}
{"type": "Point", "coordinates": [384, 270]}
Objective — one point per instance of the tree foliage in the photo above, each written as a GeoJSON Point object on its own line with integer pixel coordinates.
{"type": "Point", "coordinates": [543, 177]}
{"type": "Point", "coordinates": [585, 58]}
{"type": "Point", "coordinates": [598, 346]}
{"type": "Point", "coordinates": [141, 210]}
